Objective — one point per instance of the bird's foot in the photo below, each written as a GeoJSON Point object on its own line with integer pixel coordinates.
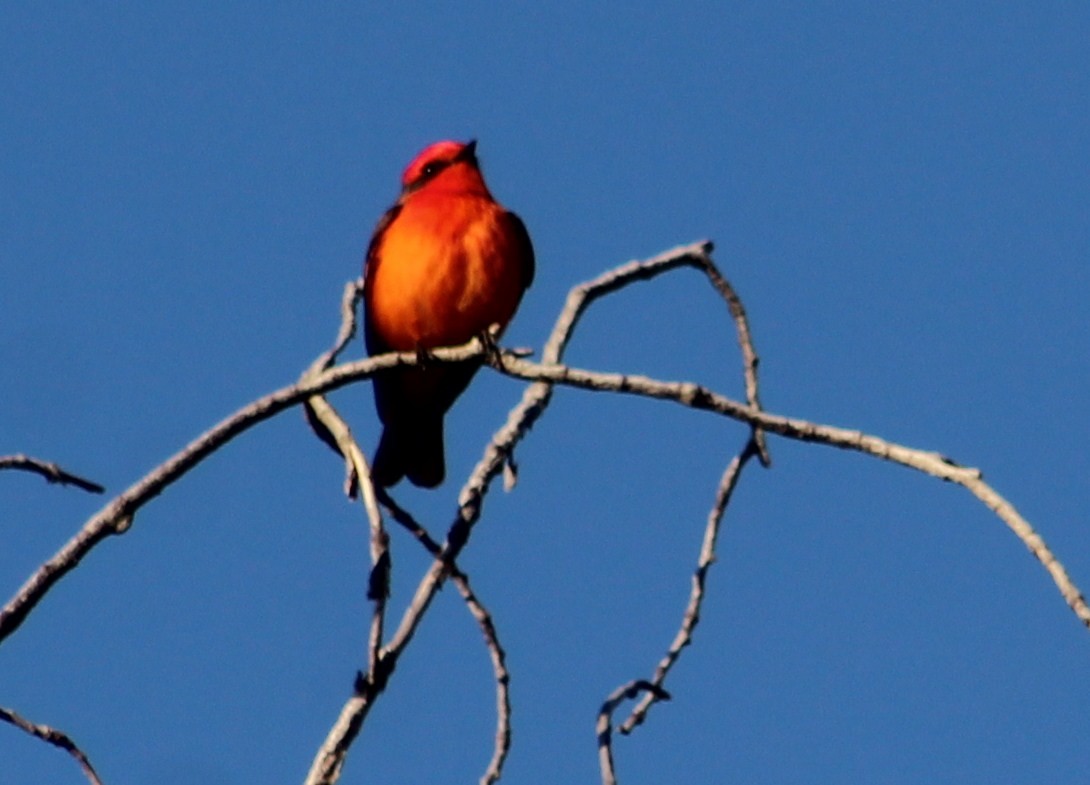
{"type": "Point", "coordinates": [424, 357]}
{"type": "Point", "coordinates": [493, 355]}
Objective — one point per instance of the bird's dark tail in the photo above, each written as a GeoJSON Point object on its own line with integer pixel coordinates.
{"type": "Point", "coordinates": [413, 450]}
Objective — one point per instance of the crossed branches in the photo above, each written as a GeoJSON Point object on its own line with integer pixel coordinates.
{"type": "Point", "coordinates": [383, 650]}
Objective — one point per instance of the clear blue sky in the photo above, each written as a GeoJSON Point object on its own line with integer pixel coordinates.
{"type": "Point", "coordinates": [900, 192]}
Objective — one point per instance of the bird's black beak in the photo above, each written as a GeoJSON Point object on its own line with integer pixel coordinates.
{"type": "Point", "coordinates": [469, 152]}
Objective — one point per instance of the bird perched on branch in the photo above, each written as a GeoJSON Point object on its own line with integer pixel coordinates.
{"type": "Point", "coordinates": [445, 264]}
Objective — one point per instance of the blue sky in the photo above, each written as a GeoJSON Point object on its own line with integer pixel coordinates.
{"type": "Point", "coordinates": [898, 191]}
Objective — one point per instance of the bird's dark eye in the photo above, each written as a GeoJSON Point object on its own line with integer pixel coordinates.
{"type": "Point", "coordinates": [433, 168]}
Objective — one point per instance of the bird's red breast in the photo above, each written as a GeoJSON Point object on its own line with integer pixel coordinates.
{"type": "Point", "coordinates": [446, 263]}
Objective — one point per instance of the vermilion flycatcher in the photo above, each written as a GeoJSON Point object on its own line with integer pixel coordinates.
{"type": "Point", "coordinates": [446, 263]}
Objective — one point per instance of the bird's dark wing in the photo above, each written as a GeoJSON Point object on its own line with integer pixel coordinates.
{"type": "Point", "coordinates": [526, 248]}
{"type": "Point", "coordinates": [375, 345]}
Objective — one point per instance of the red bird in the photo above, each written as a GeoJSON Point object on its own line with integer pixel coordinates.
{"type": "Point", "coordinates": [446, 262]}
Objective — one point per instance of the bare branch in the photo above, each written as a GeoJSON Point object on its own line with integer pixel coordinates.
{"type": "Point", "coordinates": [696, 255]}
{"type": "Point", "coordinates": [581, 297]}
{"type": "Point", "coordinates": [379, 580]}
{"type": "Point", "coordinates": [51, 471]}
{"type": "Point", "coordinates": [691, 618]}
{"type": "Point", "coordinates": [353, 291]}
{"type": "Point", "coordinates": [117, 515]}
{"type": "Point", "coordinates": [932, 463]}
{"type": "Point", "coordinates": [329, 761]}
{"type": "Point", "coordinates": [332, 429]}
{"type": "Point", "coordinates": [750, 360]}
{"type": "Point", "coordinates": [499, 669]}
{"type": "Point", "coordinates": [55, 737]}
{"type": "Point", "coordinates": [604, 725]}
{"type": "Point", "coordinates": [488, 630]}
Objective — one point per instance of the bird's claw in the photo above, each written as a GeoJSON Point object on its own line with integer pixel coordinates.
{"type": "Point", "coordinates": [493, 355]}
{"type": "Point", "coordinates": [424, 357]}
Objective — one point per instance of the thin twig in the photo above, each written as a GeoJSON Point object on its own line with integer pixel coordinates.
{"type": "Point", "coordinates": [332, 428]}
{"type": "Point", "coordinates": [353, 291]}
{"type": "Point", "coordinates": [502, 743]}
{"type": "Point", "coordinates": [51, 471]}
{"type": "Point", "coordinates": [378, 583]}
{"type": "Point", "coordinates": [57, 738]}
{"type": "Point", "coordinates": [604, 725]}
{"type": "Point", "coordinates": [691, 618]}
{"type": "Point", "coordinates": [750, 360]}
{"type": "Point", "coordinates": [488, 629]}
